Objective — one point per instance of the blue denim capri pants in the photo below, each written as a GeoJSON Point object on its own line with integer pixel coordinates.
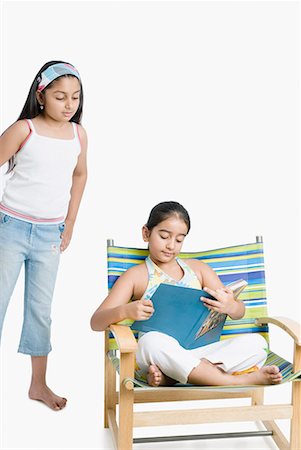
{"type": "Point", "coordinates": [37, 246]}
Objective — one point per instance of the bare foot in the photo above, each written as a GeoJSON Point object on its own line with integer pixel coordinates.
{"type": "Point", "coordinates": [266, 375]}
{"type": "Point", "coordinates": [154, 376]}
{"type": "Point", "coordinates": [157, 378]}
{"type": "Point", "coordinates": [43, 394]}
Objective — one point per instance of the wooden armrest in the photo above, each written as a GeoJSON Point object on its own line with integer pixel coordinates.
{"type": "Point", "coordinates": [124, 337]}
{"type": "Point", "coordinates": [292, 327]}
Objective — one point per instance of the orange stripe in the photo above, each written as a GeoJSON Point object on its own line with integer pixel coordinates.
{"type": "Point", "coordinates": [250, 370]}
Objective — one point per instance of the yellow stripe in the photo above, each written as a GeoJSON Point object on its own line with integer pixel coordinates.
{"type": "Point", "coordinates": [128, 251]}
{"type": "Point", "coordinates": [228, 336]}
{"type": "Point", "coordinates": [239, 326]}
{"type": "Point", "coordinates": [125, 260]}
{"type": "Point", "coordinates": [237, 249]}
{"type": "Point", "coordinates": [255, 313]}
{"type": "Point", "coordinates": [252, 295]}
{"type": "Point", "coordinates": [254, 287]}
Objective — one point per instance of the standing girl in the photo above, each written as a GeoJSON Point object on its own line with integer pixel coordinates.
{"type": "Point", "coordinates": [46, 154]}
{"type": "Point", "coordinates": [160, 357]}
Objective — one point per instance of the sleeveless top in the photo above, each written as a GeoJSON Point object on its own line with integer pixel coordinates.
{"type": "Point", "coordinates": [39, 189]}
{"type": "Point", "coordinates": [156, 276]}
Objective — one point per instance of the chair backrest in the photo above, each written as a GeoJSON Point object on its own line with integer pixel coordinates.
{"type": "Point", "coordinates": [230, 263]}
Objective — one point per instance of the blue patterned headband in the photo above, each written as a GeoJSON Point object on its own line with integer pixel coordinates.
{"type": "Point", "coordinates": [55, 71]}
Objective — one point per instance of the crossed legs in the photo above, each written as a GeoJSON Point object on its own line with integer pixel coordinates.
{"type": "Point", "coordinates": [165, 362]}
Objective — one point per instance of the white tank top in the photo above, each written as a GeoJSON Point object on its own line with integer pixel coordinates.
{"type": "Point", "coordinates": [39, 189]}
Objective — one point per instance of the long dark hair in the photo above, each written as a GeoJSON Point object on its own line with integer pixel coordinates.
{"type": "Point", "coordinates": [32, 109]}
{"type": "Point", "coordinates": [164, 210]}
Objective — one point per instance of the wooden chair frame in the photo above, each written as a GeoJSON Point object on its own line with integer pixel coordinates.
{"type": "Point", "coordinates": [127, 395]}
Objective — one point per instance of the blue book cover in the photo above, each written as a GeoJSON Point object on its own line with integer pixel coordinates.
{"type": "Point", "coordinates": [180, 313]}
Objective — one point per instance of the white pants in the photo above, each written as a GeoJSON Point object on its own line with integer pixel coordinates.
{"type": "Point", "coordinates": [233, 355]}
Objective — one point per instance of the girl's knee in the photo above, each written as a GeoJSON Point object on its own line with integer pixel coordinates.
{"type": "Point", "coordinates": [259, 341]}
{"type": "Point", "coordinates": [148, 344]}
{"type": "Point", "coordinates": [254, 341]}
{"type": "Point", "coordinates": [150, 339]}
{"type": "Point", "coordinates": [153, 345]}
{"type": "Point", "coordinates": [258, 347]}
{"type": "Point", "coordinates": [262, 349]}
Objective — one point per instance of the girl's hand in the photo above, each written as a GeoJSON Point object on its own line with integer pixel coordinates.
{"type": "Point", "coordinates": [225, 302]}
{"type": "Point", "coordinates": [139, 309]}
{"type": "Point", "coordinates": [66, 236]}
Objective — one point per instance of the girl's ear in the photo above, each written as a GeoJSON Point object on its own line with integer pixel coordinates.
{"type": "Point", "coordinates": [40, 98]}
{"type": "Point", "coordinates": [145, 233]}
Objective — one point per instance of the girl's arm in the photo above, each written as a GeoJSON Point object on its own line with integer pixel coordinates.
{"type": "Point", "coordinates": [116, 306]}
{"type": "Point", "coordinates": [225, 301]}
{"type": "Point", "coordinates": [11, 140]}
{"type": "Point", "coordinates": [79, 179]}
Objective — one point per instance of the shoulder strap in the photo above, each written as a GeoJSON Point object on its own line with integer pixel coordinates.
{"type": "Point", "coordinates": [150, 266]}
{"type": "Point", "coordinates": [76, 131]}
{"type": "Point", "coordinates": [31, 130]}
{"type": "Point", "coordinates": [30, 125]}
{"type": "Point", "coordinates": [188, 271]}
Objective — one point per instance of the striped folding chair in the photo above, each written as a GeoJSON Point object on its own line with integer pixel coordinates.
{"type": "Point", "coordinates": [230, 263]}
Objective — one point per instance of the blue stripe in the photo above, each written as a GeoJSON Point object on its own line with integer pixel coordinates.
{"type": "Point", "coordinates": [250, 303]}
{"type": "Point", "coordinates": [236, 263]}
{"type": "Point", "coordinates": [246, 330]}
{"type": "Point", "coordinates": [126, 256]}
{"type": "Point", "coordinates": [120, 265]}
{"type": "Point", "coordinates": [231, 265]}
{"type": "Point", "coordinates": [251, 277]}
{"type": "Point", "coordinates": [111, 280]}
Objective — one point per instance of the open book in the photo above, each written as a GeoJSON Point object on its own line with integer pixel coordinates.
{"type": "Point", "coordinates": [180, 313]}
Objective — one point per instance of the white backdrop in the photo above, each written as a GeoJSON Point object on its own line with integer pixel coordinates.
{"type": "Point", "coordinates": [196, 102]}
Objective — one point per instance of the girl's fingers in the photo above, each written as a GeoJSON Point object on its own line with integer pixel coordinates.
{"type": "Point", "coordinates": [147, 302]}
{"type": "Point", "coordinates": [148, 309]}
{"type": "Point", "coordinates": [228, 290]}
{"type": "Point", "coordinates": [212, 305]}
{"type": "Point", "coordinates": [208, 301]}
{"type": "Point", "coordinates": [64, 245]}
{"type": "Point", "coordinates": [146, 315]}
{"type": "Point", "coordinates": [221, 290]}
{"type": "Point", "coordinates": [213, 308]}
{"type": "Point", "coordinates": [213, 293]}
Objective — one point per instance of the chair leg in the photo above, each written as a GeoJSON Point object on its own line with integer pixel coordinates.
{"type": "Point", "coordinates": [278, 437]}
{"type": "Point", "coordinates": [110, 384]}
{"type": "Point", "coordinates": [110, 390]}
{"type": "Point", "coordinates": [258, 396]}
{"type": "Point", "coordinates": [295, 442]}
{"type": "Point", "coordinates": [126, 403]}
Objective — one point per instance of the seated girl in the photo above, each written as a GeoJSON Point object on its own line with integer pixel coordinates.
{"type": "Point", "coordinates": [160, 357]}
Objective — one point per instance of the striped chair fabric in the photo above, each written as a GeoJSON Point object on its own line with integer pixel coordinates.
{"type": "Point", "coordinates": [230, 263]}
